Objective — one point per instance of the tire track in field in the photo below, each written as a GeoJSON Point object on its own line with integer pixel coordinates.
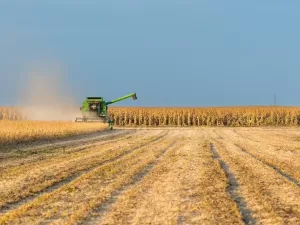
{"type": "Point", "coordinates": [97, 214]}
{"type": "Point", "coordinates": [275, 145]}
{"type": "Point", "coordinates": [233, 189]}
{"type": "Point", "coordinates": [54, 143]}
{"type": "Point", "coordinates": [264, 160]}
{"type": "Point", "coordinates": [34, 155]}
{"type": "Point", "coordinates": [276, 169]}
{"type": "Point", "coordinates": [273, 199]}
{"type": "Point", "coordinates": [11, 206]}
{"type": "Point", "coordinates": [21, 151]}
{"type": "Point", "coordinates": [244, 136]}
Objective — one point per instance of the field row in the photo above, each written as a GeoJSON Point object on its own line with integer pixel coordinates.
{"type": "Point", "coordinates": [161, 176]}
{"type": "Point", "coordinates": [230, 116]}
{"type": "Point", "coordinates": [235, 116]}
{"type": "Point", "coordinates": [265, 189]}
{"type": "Point", "coordinates": [16, 132]}
{"type": "Point", "coordinates": [10, 113]}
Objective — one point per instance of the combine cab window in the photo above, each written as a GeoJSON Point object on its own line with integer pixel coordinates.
{"type": "Point", "coordinates": [94, 106]}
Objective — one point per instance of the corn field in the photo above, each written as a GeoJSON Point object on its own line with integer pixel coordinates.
{"type": "Point", "coordinates": [10, 113]}
{"type": "Point", "coordinates": [184, 117]}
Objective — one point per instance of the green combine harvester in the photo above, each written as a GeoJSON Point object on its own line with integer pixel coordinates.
{"type": "Point", "coordinates": [94, 109]}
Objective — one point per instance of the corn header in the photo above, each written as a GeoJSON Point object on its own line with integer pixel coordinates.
{"type": "Point", "coordinates": [95, 109]}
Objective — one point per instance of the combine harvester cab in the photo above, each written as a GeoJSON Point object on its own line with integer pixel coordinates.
{"type": "Point", "coordinates": [94, 109]}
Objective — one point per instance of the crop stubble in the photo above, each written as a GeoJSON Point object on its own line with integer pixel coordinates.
{"type": "Point", "coordinates": [27, 179]}
{"type": "Point", "coordinates": [272, 197]}
{"type": "Point", "coordinates": [161, 176]}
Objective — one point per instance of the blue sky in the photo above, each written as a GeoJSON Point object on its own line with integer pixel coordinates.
{"type": "Point", "coordinates": [171, 53]}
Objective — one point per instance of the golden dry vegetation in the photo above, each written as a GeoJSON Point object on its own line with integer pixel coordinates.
{"type": "Point", "coordinates": [14, 132]}
{"type": "Point", "coordinates": [10, 113]}
{"type": "Point", "coordinates": [157, 176]}
{"type": "Point", "coordinates": [231, 116]}
{"type": "Point", "coordinates": [183, 117]}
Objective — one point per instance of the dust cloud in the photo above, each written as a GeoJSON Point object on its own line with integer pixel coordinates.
{"type": "Point", "coordinates": [46, 95]}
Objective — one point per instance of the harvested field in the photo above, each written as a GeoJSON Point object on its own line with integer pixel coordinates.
{"type": "Point", "coordinates": [155, 176]}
